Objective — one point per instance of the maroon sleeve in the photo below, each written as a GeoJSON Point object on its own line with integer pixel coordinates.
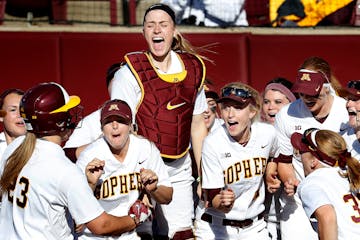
{"type": "Point", "coordinates": [210, 194]}
{"type": "Point", "coordinates": [283, 159]}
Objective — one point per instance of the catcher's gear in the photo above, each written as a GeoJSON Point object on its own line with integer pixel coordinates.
{"type": "Point", "coordinates": [46, 107]}
{"type": "Point", "coordinates": [139, 212]}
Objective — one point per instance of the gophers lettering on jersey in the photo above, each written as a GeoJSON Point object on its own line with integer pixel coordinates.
{"type": "Point", "coordinates": [120, 184]}
{"type": "Point", "coordinates": [249, 167]}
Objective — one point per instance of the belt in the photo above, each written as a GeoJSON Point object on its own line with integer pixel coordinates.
{"type": "Point", "coordinates": [182, 235]}
{"type": "Point", "coordinates": [234, 223]}
{"type": "Point", "coordinates": [168, 160]}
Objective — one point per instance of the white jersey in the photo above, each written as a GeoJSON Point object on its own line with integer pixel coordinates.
{"type": "Point", "coordinates": [353, 144]}
{"type": "Point", "coordinates": [88, 130]}
{"type": "Point", "coordinates": [226, 163]}
{"type": "Point", "coordinates": [47, 185]}
{"type": "Point", "coordinates": [296, 117]}
{"type": "Point", "coordinates": [3, 143]}
{"type": "Point", "coordinates": [120, 183]}
{"type": "Point", "coordinates": [325, 186]}
{"type": "Point", "coordinates": [218, 13]}
{"type": "Point", "coordinates": [3, 146]}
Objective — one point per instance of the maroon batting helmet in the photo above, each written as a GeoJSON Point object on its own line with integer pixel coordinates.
{"type": "Point", "coordinates": [47, 109]}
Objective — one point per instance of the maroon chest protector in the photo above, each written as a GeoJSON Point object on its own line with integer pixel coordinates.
{"type": "Point", "coordinates": [164, 113]}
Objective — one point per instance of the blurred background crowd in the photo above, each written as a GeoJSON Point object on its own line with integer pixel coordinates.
{"type": "Point", "coordinates": [208, 13]}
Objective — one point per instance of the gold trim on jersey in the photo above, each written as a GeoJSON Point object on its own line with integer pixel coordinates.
{"type": "Point", "coordinates": [175, 156]}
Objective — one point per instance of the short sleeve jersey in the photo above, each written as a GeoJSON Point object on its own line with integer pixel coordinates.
{"type": "Point", "coordinates": [120, 185]}
{"type": "Point", "coordinates": [47, 185]}
{"type": "Point", "coordinates": [228, 164]}
{"type": "Point", "coordinates": [325, 186]}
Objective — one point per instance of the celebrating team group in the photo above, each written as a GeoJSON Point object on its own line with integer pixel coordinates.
{"type": "Point", "coordinates": [168, 157]}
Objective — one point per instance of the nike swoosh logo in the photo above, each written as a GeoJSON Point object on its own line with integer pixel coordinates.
{"type": "Point", "coordinates": [141, 162]}
{"type": "Point", "coordinates": [172, 107]}
{"type": "Point", "coordinates": [263, 146]}
{"type": "Point", "coordinates": [317, 89]}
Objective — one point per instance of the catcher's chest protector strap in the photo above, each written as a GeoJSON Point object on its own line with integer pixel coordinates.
{"type": "Point", "coordinates": [165, 112]}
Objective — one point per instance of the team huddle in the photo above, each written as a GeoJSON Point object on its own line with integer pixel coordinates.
{"type": "Point", "coordinates": [168, 157]}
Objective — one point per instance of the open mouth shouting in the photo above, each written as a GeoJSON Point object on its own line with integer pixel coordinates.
{"type": "Point", "coordinates": [310, 104]}
{"type": "Point", "coordinates": [351, 112]}
{"type": "Point", "coordinates": [20, 123]}
{"type": "Point", "coordinates": [158, 43]}
{"type": "Point", "coordinates": [232, 125]}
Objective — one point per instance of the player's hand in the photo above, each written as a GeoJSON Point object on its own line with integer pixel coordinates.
{"type": "Point", "coordinates": [149, 180]}
{"type": "Point", "coordinates": [147, 201]}
{"type": "Point", "coordinates": [93, 170]}
{"type": "Point", "coordinates": [273, 183]}
{"type": "Point", "coordinates": [79, 228]}
{"type": "Point", "coordinates": [227, 199]}
{"type": "Point", "coordinates": [290, 186]}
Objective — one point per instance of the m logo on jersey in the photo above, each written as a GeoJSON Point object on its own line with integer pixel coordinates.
{"type": "Point", "coordinates": [305, 77]}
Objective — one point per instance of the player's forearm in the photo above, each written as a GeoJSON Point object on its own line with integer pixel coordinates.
{"type": "Point", "coordinates": [198, 134]}
{"type": "Point", "coordinates": [162, 194]}
{"type": "Point", "coordinates": [327, 223]}
{"type": "Point", "coordinates": [107, 224]}
{"type": "Point", "coordinates": [286, 171]}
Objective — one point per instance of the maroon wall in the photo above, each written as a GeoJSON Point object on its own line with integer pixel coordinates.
{"type": "Point", "coordinates": [79, 60]}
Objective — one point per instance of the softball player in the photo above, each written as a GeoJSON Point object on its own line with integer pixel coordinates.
{"type": "Point", "coordinates": [276, 95]}
{"type": "Point", "coordinates": [351, 129]}
{"type": "Point", "coordinates": [167, 102]}
{"type": "Point", "coordinates": [37, 180]}
{"type": "Point", "coordinates": [234, 158]}
{"type": "Point", "coordinates": [317, 107]}
{"type": "Point", "coordinates": [330, 191]}
{"type": "Point", "coordinates": [13, 124]}
{"type": "Point", "coordinates": [129, 162]}
{"type": "Point", "coordinates": [211, 117]}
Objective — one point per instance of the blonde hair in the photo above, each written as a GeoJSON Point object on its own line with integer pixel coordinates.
{"type": "Point", "coordinates": [333, 145]}
{"type": "Point", "coordinates": [15, 163]}
{"type": "Point", "coordinates": [181, 44]}
{"type": "Point", "coordinates": [254, 105]}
